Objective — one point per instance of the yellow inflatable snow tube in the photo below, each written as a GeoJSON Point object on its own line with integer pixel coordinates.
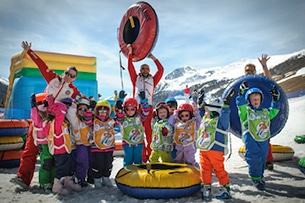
{"type": "Point", "coordinates": [279, 152]}
{"type": "Point", "coordinates": [159, 180]}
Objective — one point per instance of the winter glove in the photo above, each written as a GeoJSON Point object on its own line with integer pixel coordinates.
{"type": "Point", "coordinates": [142, 95]}
{"type": "Point", "coordinates": [92, 104]}
{"type": "Point", "coordinates": [118, 105]}
{"type": "Point", "coordinates": [33, 100]}
{"type": "Point", "coordinates": [164, 131]}
{"type": "Point", "coordinates": [243, 88]}
{"type": "Point", "coordinates": [275, 93]}
{"type": "Point", "coordinates": [122, 95]}
{"type": "Point", "coordinates": [78, 99]}
{"type": "Point", "coordinates": [228, 98]}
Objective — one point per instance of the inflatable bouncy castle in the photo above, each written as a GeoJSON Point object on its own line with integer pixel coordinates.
{"type": "Point", "coordinates": [25, 79]}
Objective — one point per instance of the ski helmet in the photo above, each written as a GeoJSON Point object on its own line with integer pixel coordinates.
{"type": "Point", "coordinates": [130, 102]}
{"type": "Point", "coordinates": [216, 105]}
{"type": "Point", "coordinates": [253, 90]}
{"type": "Point", "coordinates": [170, 100]}
{"type": "Point", "coordinates": [185, 107]}
{"type": "Point", "coordinates": [40, 97]}
{"type": "Point", "coordinates": [161, 105]}
{"type": "Point", "coordinates": [102, 103]}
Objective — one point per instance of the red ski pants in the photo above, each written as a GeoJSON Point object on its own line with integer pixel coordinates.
{"type": "Point", "coordinates": [28, 159]}
{"type": "Point", "coordinates": [269, 156]}
{"type": "Point", "coordinates": [148, 132]}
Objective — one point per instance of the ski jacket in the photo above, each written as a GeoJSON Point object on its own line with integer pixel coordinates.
{"type": "Point", "coordinates": [103, 135]}
{"type": "Point", "coordinates": [141, 83]}
{"type": "Point", "coordinates": [160, 141]}
{"type": "Point", "coordinates": [256, 121]}
{"type": "Point", "coordinates": [213, 132]}
{"type": "Point", "coordinates": [39, 130]}
{"type": "Point", "coordinates": [56, 86]}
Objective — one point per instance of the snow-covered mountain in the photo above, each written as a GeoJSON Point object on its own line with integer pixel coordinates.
{"type": "Point", "coordinates": [215, 79]}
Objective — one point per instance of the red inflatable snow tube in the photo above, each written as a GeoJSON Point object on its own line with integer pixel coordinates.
{"type": "Point", "coordinates": [139, 27]}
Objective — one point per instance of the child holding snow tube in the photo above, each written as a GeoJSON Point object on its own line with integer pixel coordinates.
{"type": "Point", "coordinates": [255, 121]}
{"type": "Point", "coordinates": [212, 143]}
{"type": "Point", "coordinates": [131, 117]}
{"type": "Point", "coordinates": [186, 121]}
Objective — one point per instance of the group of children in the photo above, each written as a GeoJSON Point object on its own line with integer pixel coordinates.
{"type": "Point", "coordinates": [76, 139]}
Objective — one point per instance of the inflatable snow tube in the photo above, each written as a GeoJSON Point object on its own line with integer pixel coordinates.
{"type": "Point", "coordinates": [279, 152]}
{"type": "Point", "coordinates": [13, 127]}
{"type": "Point", "coordinates": [10, 159]}
{"type": "Point", "coordinates": [301, 163]}
{"type": "Point", "coordinates": [158, 181]}
{"type": "Point", "coordinates": [265, 84]}
{"type": "Point", "coordinates": [138, 27]}
{"type": "Point", "coordinates": [299, 139]}
{"type": "Point", "coordinates": [11, 143]}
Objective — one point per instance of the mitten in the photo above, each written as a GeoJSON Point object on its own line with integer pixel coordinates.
{"type": "Point", "coordinates": [243, 88]}
{"type": "Point", "coordinates": [275, 93]}
{"type": "Point", "coordinates": [33, 100]}
{"type": "Point", "coordinates": [122, 94]}
{"type": "Point", "coordinates": [228, 98]}
{"type": "Point", "coordinates": [142, 95]}
{"type": "Point", "coordinates": [164, 131]}
{"type": "Point", "coordinates": [119, 117]}
{"type": "Point", "coordinates": [119, 105]}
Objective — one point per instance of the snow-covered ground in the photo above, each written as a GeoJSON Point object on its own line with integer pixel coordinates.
{"type": "Point", "coordinates": [284, 184]}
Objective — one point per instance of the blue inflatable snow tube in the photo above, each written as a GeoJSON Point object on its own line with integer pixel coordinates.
{"type": "Point", "coordinates": [265, 84]}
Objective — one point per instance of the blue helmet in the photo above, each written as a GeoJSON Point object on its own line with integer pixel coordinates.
{"type": "Point", "coordinates": [253, 90]}
{"type": "Point", "coordinates": [171, 99]}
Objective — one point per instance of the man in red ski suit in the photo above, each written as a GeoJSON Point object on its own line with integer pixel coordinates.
{"type": "Point", "coordinates": [60, 87]}
{"type": "Point", "coordinates": [144, 81]}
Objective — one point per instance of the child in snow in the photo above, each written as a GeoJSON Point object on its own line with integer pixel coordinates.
{"type": "Point", "coordinates": [40, 121]}
{"type": "Point", "coordinates": [185, 121]}
{"type": "Point", "coordinates": [131, 118]}
{"type": "Point", "coordinates": [82, 134]}
{"type": "Point", "coordinates": [162, 137]}
{"type": "Point", "coordinates": [172, 106]}
{"type": "Point", "coordinates": [255, 123]}
{"type": "Point", "coordinates": [104, 144]}
{"type": "Point", "coordinates": [212, 143]}
{"type": "Point", "coordinates": [59, 142]}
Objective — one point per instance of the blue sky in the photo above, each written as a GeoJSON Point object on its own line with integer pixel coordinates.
{"type": "Point", "coordinates": [198, 33]}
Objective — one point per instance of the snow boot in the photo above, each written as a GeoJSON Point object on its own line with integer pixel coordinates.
{"type": "Point", "coordinates": [206, 192]}
{"type": "Point", "coordinates": [19, 181]}
{"type": "Point", "coordinates": [269, 166]}
{"type": "Point", "coordinates": [69, 183]}
{"type": "Point", "coordinates": [259, 184]}
{"type": "Point", "coordinates": [82, 182]}
{"type": "Point", "coordinates": [224, 192]}
{"type": "Point", "coordinates": [97, 183]}
{"type": "Point", "coordinates": [107, 182]}
{"type": "Point", "coordinates": [58, 188]}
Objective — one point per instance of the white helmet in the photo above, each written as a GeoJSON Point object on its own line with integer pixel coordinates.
{"type": "Point", "coordinates": [215, 105]}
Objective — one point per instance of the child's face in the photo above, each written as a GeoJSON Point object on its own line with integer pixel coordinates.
{"type": "Point", "coordinates": [130, 111]}
{"type": "Point", "coordinates": [172, 106]}
{"type": "Point", "coordinates": [185, 116]}
{"type": "Point", "coordinates": [103, 111]}
{"type": "Point", "coordinates": [162, 113]}
{"type": "Point", "coordinates": [82, 109]}
{"type": "Point", "coordinates": [255, 99]}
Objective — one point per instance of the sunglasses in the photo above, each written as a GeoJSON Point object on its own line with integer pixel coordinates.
{"type": "Point", "coordinates": [82, 109]}
{"type": "Point", "coordinates": [145, 68]}
{"type": "Point", "coordinates": [103, 111]}
{"type": "Point", "coordinates": [184, 115]}
{"type": "Point", "coordinates": [70, 74]}
{"type": "Point", "coordinates": [250, 70]}
{"type": "Point", "coordinates": [130, 109]}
